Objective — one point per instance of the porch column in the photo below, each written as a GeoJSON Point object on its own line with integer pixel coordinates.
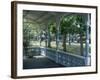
{"type": "Point", "coordinates": [87, 56]}
{"type": "Point", "coordinates": [43, 48]}
{"type": "Point", "coordinates": [57, 35]}
{"type": "Point", "coordinates": [46, 34]}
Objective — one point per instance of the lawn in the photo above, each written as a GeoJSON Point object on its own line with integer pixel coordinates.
{"type": "Point", "coordinates": [74, 48]}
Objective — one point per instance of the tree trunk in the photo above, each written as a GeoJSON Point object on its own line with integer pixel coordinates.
{"type": "Point", "coordinates": [69, 40]}
{"type": "Point", "coordinates": [81, 44]}
{"type": "Point", "coordinates": [49, 39]}
{"type": "Point", "coordinates": [64, 42]}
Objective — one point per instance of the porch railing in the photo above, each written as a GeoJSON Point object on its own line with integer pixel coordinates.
{"type": "Point", "coordinates": [63, 58]}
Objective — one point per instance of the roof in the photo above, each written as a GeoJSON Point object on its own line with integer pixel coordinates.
{"type": "Point", "coordinates": [41, 17]}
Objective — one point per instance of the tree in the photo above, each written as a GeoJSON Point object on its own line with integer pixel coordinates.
{"type": "Point", "coordinates": [80, 23]}
{"type": "Point", "coordinates": [30, 32]}
{"type": "Point", "coordinates": [66, 28]}
{"type": "Point", "coordinates": [73, 24]}
{"type": "Point", "coordinates": [51, 30]}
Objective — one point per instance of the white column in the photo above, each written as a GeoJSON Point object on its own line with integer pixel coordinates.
{"type": "Point", "coordinates": [87, 57]}
{"type": "Point", "coordinates": [57, 35]}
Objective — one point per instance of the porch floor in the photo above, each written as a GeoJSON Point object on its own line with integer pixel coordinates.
{"type": "Point", "coordinates": [39, 62]}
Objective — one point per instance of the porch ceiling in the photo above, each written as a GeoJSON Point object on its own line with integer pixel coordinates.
{"type": "Point", "coordinates": [41, 17]}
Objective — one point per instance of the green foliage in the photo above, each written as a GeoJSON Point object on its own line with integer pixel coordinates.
{"type": "Point", "coordinates": [72, 24]}
{"type": "Point", "coordinates": [80, 21]}
{"type": "Point", "coordinates": [68, 25]}
{"type": "Point", "coordinates": [30, 32]}
{"type": "Point", "coordinates": [52, 27]}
